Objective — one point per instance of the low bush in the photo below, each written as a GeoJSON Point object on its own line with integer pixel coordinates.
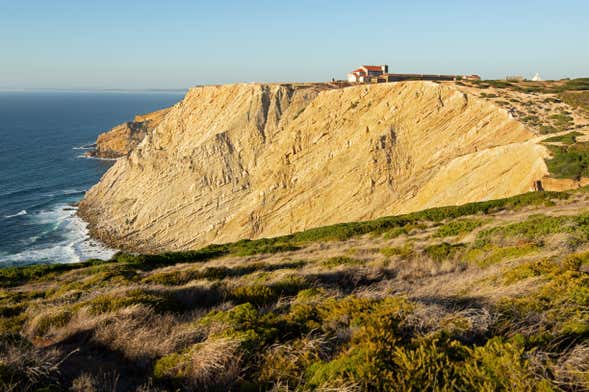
{"type": "Point", "coordinates": [570, 161]}
{"type": "Point", "coordinates": [547, 129]}
{"type": "Point", "coordinates": [569, 138]}
{"type": "Point", "coordinates": [562, 120]}
{"type": "Point", "coordinates": [534, 228]}
{"type": "Point", "coordinates": [443, 251]}
{"type": "Point", "coordinates": [55, 317]}
{"type": "Point", "coordinates": [160, 302]}
{"type": "Point", "coordinates": [404, 251]}
{"type": "Point", "coordinates": [491, 254]}
{"type": "Point", "coordinates": [577, 99]}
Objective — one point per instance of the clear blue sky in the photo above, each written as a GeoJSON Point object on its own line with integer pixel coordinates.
{"type": "Point", "coordinates": [177, 44]}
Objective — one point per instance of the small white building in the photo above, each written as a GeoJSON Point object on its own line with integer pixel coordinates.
{"type": "Point", "coordinates": [537, 78]}
{"type": "Point", "coordinates": [361, 74]}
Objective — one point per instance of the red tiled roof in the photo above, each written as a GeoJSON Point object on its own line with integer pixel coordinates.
{"type": "Point", "coordinates": [373, 67]}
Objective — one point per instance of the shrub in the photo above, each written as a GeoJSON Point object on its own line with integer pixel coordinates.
{"type": "Point", "coordinates": [569, 138]}
{"type": "Point", "coordinates": [498, 366]}
{"type": "Point", "coordinates": [394, 233]}
{"type": "Point", "coordinates": [562, 120]}
{"type": "Point", "coordinates": [256, 294]}
{"type": "Point", "coordinates": [19, 275]}
{"type": "Point", "coordinates": [160, 302]}
{"type": "Point", "coordinates": [443, 251]}
{"type": "Point", "coordinates": [577, 99]}
{"type": "Point", "coordinates": [262, 294]}
{"type": "Point", "coordinates": [546, 129]}
{"type": "Point", "coordinates": [211, 365]}
{"type": "Point", "coordinates": [40, 324]}
{"type": "Point", "coordinates": [404, 251]}
{"type": "Point", "coordinates": [535, 227]}
{"type": "Point", "coordinates": [570, 161]}
{"type": "Point", "coordinates": [491, 254]}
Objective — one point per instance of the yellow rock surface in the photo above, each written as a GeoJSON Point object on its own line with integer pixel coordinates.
{"type": "Point", "coordinates": [253, 160]}
{"type": "Point", "coordinates": [123, 138]}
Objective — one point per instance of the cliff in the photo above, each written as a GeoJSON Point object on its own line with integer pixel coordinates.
{"type": "Point", "coordinates": [120, 140]}
{"type": "Point", "coordinates": [254, 160]}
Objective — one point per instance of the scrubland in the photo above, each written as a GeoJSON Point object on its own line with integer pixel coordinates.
{"type": "Point", "coordinates": [485, 296]}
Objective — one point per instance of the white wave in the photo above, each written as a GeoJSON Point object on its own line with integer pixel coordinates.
{"type": "Point", "coordinates": [89, 146]}
{"type": "Point", "coordinates": [64, 192]}
{"type": "Point", "coordinates": [97, 158]}
{"type": "Point", "coordinates": [21, 212]}
{"type": "Point", "coordinates": [75, 246]}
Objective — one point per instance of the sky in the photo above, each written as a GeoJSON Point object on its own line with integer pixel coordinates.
{"type": "Point", "coordinates": [146, 44]}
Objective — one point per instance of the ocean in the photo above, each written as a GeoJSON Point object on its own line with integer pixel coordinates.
{"type": "Point", "coordinates": [43, 137]}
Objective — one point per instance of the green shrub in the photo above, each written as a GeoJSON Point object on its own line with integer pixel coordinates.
{"type": "Point", "coordinates": [491, 254]}
{"type": "Point", "coordinates": [498, 366]}
{"type": "Point", "coordinates": [404, 251]}
{"type": "Point", "coordinates": [547, 129]}
{"type": "Point", "coordinates": [578, 84]}
{"type": "Point", "coordinates": [570, 161]}
{"type": "Point", "coordinates": [534, 228]}
{"type": "Point", "coordinates": [112, 302]}
{"type": "Point", "coordinates": [255, 294]}
{"type": "Point", "coordinates": [14, 276]}
{"type": "Point", "coordinates": [394, 233]}
{"type": "Point", "coordinates": [562, 120]}
{"type": "Point", "coordinates": [569, 138]}
{"type": "Point", "coordinates": [443, 251]}
{"type": "Point", "coordinates": [577, 99]}
{"type": "Point", "coordinates": [264, 245]}
{"type": "Point", "coordinates": [262, 294]}
{"type": "Point", "coordinates": [57, 317]}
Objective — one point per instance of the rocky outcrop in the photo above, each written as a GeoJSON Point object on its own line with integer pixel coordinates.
{"type": "Point", "coordinates": [123, 138]}
{"type": "Point", "coordinates": [256, 160]}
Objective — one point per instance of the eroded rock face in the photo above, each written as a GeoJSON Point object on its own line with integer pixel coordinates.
{"type": "Point", "coordinates": [123, 138]}
{"type": "Point", "coordinates": [254, 160]}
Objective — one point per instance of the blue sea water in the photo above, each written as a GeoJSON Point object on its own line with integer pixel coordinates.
{"type": "Point", "coordinates": [43, 136]}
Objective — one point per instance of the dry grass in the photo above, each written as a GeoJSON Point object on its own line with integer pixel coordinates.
{"type": "Point", "coordinates": [572, 369]}
{"type": "Point", "coordinates": [140, 334]}
{"type": "Point", "coordinates": [310, 308]}
{"type": "Point", "coordinates": [210, 365]}
{"type": "Point", "coordinates": [28, 366]}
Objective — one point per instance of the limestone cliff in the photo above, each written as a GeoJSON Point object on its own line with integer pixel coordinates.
{"type": "Point", "coordinates": [254, 160]}
{"type": "Point", "coordinates": [123, 138]}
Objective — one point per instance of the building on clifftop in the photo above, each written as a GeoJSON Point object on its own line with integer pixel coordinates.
{"type": "Point", "coordinates": [362, 74]}
{"type": "Point", "coordinates": [380, 74]}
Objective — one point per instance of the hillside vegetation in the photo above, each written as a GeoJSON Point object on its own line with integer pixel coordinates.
{"type": "Point", "coordinates": [551, 107]}
{"type": "Point", "coordinates": [483, 296]}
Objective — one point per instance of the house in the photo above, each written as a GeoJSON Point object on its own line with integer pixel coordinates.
{"type": "Point", "coordinates": [365, 72]}
{"type": "Point", "coordinates": [380, 74]}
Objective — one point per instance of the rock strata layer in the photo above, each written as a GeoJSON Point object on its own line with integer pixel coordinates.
{"type": "Point", "coordinates": [257, 160]}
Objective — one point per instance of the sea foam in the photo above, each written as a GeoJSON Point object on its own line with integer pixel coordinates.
{"type": "Point", "coordinates": [75, 244]}
{"type": "Point", "coordinates": [20, 213]}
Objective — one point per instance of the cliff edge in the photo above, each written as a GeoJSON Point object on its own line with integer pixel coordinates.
{"type": "Point", "coordinates": [123, 138]}
{"type": "Point", "coordinates": [258, 160]}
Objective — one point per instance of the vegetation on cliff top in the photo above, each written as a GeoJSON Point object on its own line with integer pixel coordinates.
{"type": "Point", "coordinates": [484, 296]}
